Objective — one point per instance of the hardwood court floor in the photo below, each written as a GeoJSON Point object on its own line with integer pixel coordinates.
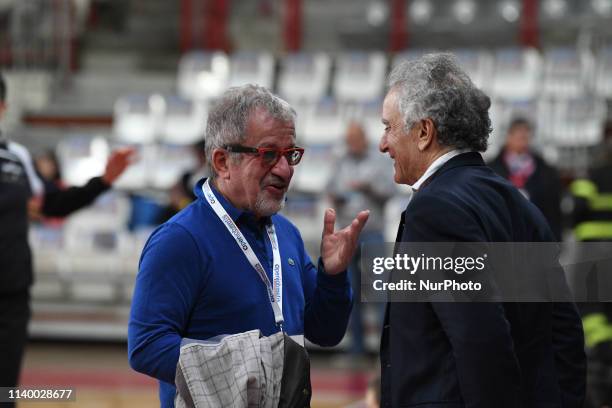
{"type": "Point", "coordinates": [102, 378]}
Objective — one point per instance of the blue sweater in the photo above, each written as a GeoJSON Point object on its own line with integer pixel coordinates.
{"type": "Point", "coordinates": [194, 282]}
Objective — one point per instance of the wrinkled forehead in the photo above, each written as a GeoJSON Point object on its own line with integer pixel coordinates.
{"type": "Point", "coordinates": [390, 107]}
{"type": "Point", "coordinates": [263, 128]}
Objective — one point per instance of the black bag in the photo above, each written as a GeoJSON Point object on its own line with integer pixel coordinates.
{"type": "Point", "coordinates": [295, 384]}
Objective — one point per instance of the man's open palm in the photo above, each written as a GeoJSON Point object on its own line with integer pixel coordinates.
{"type": "Point", "coordinates": [338, 247]}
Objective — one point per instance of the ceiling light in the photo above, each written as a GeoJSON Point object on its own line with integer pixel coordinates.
{"type": "Point", "coordinates": [465, 11]}
{"type": "Point", "coordinates": [510, 10]}
{"type": "Point", "coordinates": [602, 7]}
{"type": "Point", "coordinates": [377, 13]}
{"type": "Point", "coordinates": [555, 8]}
{"type": "Point", "coordinates": [421, 11]}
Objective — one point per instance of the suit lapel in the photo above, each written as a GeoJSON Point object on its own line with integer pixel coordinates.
{"type": "Point", "coordinates": [464, 159]}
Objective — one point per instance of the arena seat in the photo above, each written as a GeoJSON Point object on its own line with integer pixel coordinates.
{"type": "Point", "coordinates": [518, 74]}
{"type": "Point", "coordinates": [251, 68]}
{"type": "Point", "coordinates": [479, 66]}
{"type": "Point", "coordinates": [324, 122]}
{"type": "Point", "coordinates": [360, 76]}
{"type": "Point", "coordinates": [603, 73]}
{"type": "Point", "coordinates": [82, 157]}
{"type": "Point", "coordinates": [570, 122]}
{"type": "Point", "coordinates": [171, 161]}
{"type": "Point", "coordinates": [566, 72]}
{"type": "Point", "coordinates": [137, 118]}
{"type": "Point", "coordinates": [203, 75]}
{"type": "Point", "coordinates": [304, 76]}
{"type": "Point", "coordinates": [183, 121]}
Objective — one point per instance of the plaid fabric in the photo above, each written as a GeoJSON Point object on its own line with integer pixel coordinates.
{"type": "Point", "coordinates": [242, 370]}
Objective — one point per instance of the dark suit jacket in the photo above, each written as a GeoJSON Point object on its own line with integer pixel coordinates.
{"type": "Point", "coordinates": [485, 355]}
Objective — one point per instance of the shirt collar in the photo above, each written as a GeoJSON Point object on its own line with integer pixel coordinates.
{"type": "Point", "coordinates": [435, 166]}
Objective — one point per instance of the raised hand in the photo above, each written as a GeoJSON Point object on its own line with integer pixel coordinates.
{"type": "Point", "coordinates": [337, 248]}
{"type": "Point", "coordinates": [117, 163]}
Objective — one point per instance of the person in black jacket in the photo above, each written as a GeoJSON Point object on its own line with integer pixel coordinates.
{"type": "Point", "coordinates": [528, 172]}
{"type": "Point", "coordinates": [21, 192]}
{"type": "Point", "coordinates": [477, 355]}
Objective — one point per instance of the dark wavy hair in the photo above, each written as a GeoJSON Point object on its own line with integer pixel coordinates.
{"type": "Point", "coordinates": [434, 86]}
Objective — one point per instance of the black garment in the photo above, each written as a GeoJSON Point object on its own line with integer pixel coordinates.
{"type": "Point", "coordinates": [61, 203]}
{"type": "Point", "coordinates": [479, 355]}
{"type": "Point", "coordinates": [15, 258]}
{"type": "Point", "coordinates": [295, 389]}
{"type": "Point", "coordinates": [544, 189]}
{"type": "Point", "coordinates": [14, 317]}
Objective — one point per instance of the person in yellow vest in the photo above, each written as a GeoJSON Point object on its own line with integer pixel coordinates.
{"type": "Point", "coordinates": [593, 197]}
{"type": "Point", "coordinates": [592, 218]}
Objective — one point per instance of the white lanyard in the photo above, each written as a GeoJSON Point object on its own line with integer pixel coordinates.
{"type": "Point", "coordinates": [275, 292]}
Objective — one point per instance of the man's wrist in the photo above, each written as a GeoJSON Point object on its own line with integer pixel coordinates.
{"type": "Point", "coordinates": [337, 279]}
{"type": "Point", "coordinates": [105, 180]}
{"type": "Point", "coordinates": [101, 183]}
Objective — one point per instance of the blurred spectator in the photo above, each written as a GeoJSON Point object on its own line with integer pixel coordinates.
{"type": "Point", "coordinates": [361, 179]}
{"type": "Point", "coordinates": [48, 170]}
{"type": "Point", "coordinates": [111, 13]}
{"type": "Point", "coordinates": [191, 178]}
{"type": "Point", "coordinates": [528, 172]}
{"type": "Point", "coordinates": [592, 217]}
{"type": "Point", "coordinates": [181, 194]}
{"type": "Point", "coordinates": [21, 191]}
{"type": "Point", "coordinates": [592, 200]}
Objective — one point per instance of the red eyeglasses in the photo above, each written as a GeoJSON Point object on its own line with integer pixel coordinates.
{"type": "Point", "coordinates": [270, 155]}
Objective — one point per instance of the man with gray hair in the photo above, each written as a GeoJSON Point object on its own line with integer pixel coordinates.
{"type": "Point", "coordinates": [228, 263]}
{"type": "Point", "coordinates": [437, 354]}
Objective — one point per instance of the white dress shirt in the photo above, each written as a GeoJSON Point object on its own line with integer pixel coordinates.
{"type": "Point", "coordinates": [435, 166]}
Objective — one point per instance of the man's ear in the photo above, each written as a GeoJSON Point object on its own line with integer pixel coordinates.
{"type": "Point", "coordinates": [220, 162]}
{"type": "Point", "coordinates": [427, 134]}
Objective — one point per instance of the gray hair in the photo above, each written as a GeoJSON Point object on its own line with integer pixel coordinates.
{"type": "Point", "coordinates": [227, 120]}
{"type": "Point", "coordinates": [435, 87]}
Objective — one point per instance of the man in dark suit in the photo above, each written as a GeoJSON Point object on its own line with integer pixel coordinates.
{"type": "Point", "coordinates": [456, 355]}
